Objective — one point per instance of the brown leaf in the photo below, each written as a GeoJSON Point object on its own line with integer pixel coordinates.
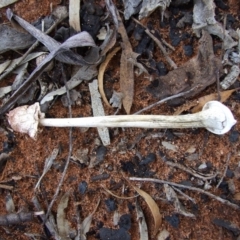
{"type": "Point", "coordinates": [102, 69]}
{"type": "Point", "coordinates": [128, 58]}
{"type": "Point", "coordinates": [153, 207]}
{"type": "Point", "coordinates": [237, 196]}
{"type": "Point", "coordinates": [62, 222]}
{"type": "Point", "coordinates": [198, 73]}
{"type": "Point", "coordinates": [116, 196]}
{"type": "Point", "coordinates": [126, 81]}
{"type": "Point", "coordinates": [214, 96]}
{"type": "Point", "coordinates": [185, 107]}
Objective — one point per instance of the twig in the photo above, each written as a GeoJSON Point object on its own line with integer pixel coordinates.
{"type": "Point", "coordinates": [30, 50]}
{"type": "Point", "coordinates": [4, 186]}
{"type": "Point", "coordinates": [164, 100]}
{"type": "Point", "coordinates": [226, 168]}
{"type": "Point", "coordinates": [167, 44]}
{"type": "Point", "coordinates": [69, 151]}
{"type": "Point", "coordinates": [191, 171]}
{"type": "Point", "coordinates": [224, 201]}
{"type": "Point", "coordinates": [18, 218]}
{"type": "Point", "coordinates": [49, 225]}
{"type": "Point", "coordinates": [169, 60]}
{"type": "Point", "coordinates": [184, 194]}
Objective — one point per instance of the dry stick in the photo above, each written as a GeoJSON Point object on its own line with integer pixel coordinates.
{"type": "Point", "coordinates": [191, 171]}
{"type": "Point", "coordinates": [49, 225]}
{"type": "Point", "coordinates": [163, 101]}
{"type": "Point", "coordinates": [224, 201]}
{"type": "Point", "coordinates": [169, 60]}
{"type": "Point", "coordinates": [69, 151]}
{"type": "Point", "coordinates": [226, 168]}
{"type": "Point", "coordinates": [184, 194]}
{"type": "Point", "coordinates": [30, 50]}
{"type": "Point", "coordinates": [3, 186]}
{"type": "Point", "coordinates": [221, 56]}
{"type": "Point", "coordinates": [18, 218]}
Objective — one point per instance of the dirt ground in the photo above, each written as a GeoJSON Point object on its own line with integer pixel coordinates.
{"type": "Point", "coordinates": [123, 156]}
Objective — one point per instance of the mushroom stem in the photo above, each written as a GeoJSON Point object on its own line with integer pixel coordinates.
{"type": "Point", "coordinates": [215, 117]}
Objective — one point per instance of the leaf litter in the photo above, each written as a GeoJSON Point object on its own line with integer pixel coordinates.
{"type": "Point", "coordinates": [189, 70]}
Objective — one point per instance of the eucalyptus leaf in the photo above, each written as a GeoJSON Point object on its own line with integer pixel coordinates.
{"type": "Point", "coordinates": [62, 222]}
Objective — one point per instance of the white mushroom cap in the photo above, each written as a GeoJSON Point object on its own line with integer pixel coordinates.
{"type": "Point", "coordinates": [221, 120]}
{"type": "Point", "coordinates": [25, 119]}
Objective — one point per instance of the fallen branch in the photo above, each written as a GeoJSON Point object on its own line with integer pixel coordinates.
{"type": "Point", "coordinates": [17, 218]}
{"type": "Point", "coordinates": [163, 101]}
{"type": "Point", "coordinates": [224, 201]}
{"type": "Point", "coordinates": [169, 60]}
{"type": "Point", "coordinates": [225, 171]}
{"type": "Point", "coordinates": [190, 171]}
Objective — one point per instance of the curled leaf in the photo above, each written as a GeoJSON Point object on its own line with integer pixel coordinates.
{"type": "Point", "coordinates": [153, 207]}
{"type": "Point", "coordinates": [116, 196]}
{"type": "Point", "coordinates": [62, 222]}
{"type": "Point", "coordinates": [143, 229]}
{"type": "Point", "coordinates": [102, 69]}
{"type": "Point", "coordinates": [214, 96]}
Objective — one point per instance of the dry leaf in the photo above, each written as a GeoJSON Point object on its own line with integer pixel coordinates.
{"type": "Point", "coordinates": [62, 222]}
{"type": "Point", "coordinates": [5, 90]}
{"type": "Point", "coordinates": [214, 96]}
{"type": "Point", "coordinates": [237, 196]}
{"type": "Point", "coordinates": [10, 207]}
{"type": "Point", "coordinates": [85, 226]}
{"type": "Point", "coordinates": [48, 163]}
{"type": "Point", "coordinates": [116, 196]}
{"type": "Point", "coordinates": [4, 3]}
{"type": "Point", "coordinates": [74, 15]}
{"type": "Point", "coordinates": [84, 73]}
{"type": "Point", "coordinates": [143, 229]}
{"type": "Point", "coordinates": [102, 69]}
{"type": "Point", "coordinates": [170, 146]}
{"type": "Point", "coordinates": [172, 197]}
{"type": "Point", "coordinates": [131, 7]}
{"type": "Point", "coordinates": [231, 78]}
{"type": "Point", "coordinates": [153, 207]}
{"type": "Point", "coordinates": [148, 6]}
{"type": "Point", "coordinates": [204, 18]}
{"type": "Point", "coordinates": [98, 111]}
{"type": "Point", "coordinates": [128, 58]}
{"type": "Point", "coordinates": [4, 65]}
{"type": "Point", "coordinates": [80, 39]}
{"type": "Point", "coordinates": [196, 74]}
{"type": "Point", "coordinates": [163, 235]}
{"type": "Point", "coordinates": [185, 107]}
{"type": "Point", "coordinates": [116, 99]}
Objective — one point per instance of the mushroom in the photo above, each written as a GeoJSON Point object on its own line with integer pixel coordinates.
{"type": "Point", "coordinates": [215, 117]}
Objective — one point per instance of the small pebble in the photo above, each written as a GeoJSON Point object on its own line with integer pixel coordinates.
{"type": "Point", "coordinates": [161, 68]}
{"type": "Point", "coordinates": [125, 221]}
{"type": "Point", "coordinates": [173, 220]}
{"type": "Point", "coordinates": [188, 50]}
{"type": "Point", "coordinates": [229, 173]}
{"type": "Point", "coordinates": [100, 177]}
{"type": "Point", "coordinates": [82, 187]}
{"type": "Point", "coordinates": [234, 136]}
{"type": "Point", "coordinates": [151, 157]}
{"type": "Point", "coordinates": [110, 204]}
